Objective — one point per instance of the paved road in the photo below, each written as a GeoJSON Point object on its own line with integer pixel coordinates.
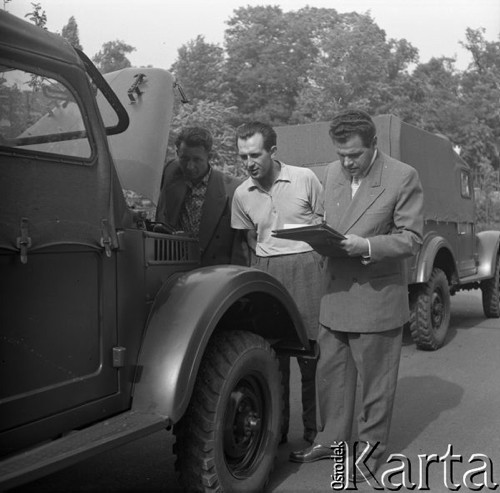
{"type": "Point", "coordinates": [450, 396]}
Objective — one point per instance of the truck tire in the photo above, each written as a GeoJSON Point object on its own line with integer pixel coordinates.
{"type": "Point", "coordinates": [430, 311]}
{"type": "Point", "coordinates": [228, 438]}
{"type": "Point", "coordinates": [491, 293]}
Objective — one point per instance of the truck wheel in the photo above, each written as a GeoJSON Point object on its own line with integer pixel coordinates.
{"type": "Point", "coordinates": [228, 438]}
{"type": "Point", "coordinates": [430, 311]}
{"type": "Point", "coordinates": [491, 293]}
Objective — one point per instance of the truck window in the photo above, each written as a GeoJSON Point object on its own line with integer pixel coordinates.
{"type": "Point", "coordinates": [465, 181]}
{"type": "Point", "coordinates": [40, 114]}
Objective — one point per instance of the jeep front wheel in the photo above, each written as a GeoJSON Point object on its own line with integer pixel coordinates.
{"type": "Point", "coordinates": [491, 293]}
{"type": "Point", "coordinates": [228, 438]}
{"type": "Point", "coordinates": [430, 311]}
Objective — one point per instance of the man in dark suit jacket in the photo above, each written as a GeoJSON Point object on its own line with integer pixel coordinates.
{"type": "Point", "coordinates": [196, 198]}
{"type": "Point", "coordinates": [376, 202]}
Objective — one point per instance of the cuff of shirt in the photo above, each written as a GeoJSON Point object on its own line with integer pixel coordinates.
{"type": "Point", "coordinates": [366, 259]}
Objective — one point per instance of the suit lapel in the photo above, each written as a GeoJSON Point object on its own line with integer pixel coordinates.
{"type": "Point", "coordinates": [213, 207]}
{"type": "Point", "coordinates": [340, 200]}
{"type": "Point", "coordinates": [367, 193]}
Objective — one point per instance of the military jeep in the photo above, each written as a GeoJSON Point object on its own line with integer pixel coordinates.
{"type": "Point", "coordinates": [110, 331]}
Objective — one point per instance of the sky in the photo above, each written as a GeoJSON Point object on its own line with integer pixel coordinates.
{"type": "Point", "coordinates": [158, 28]}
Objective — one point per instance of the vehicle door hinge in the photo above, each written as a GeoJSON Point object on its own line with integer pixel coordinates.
{"type": "Point", "coordinates": [23, 242]}
{"type": "Point", "coordinates": [106, 241]}
{"type": "Point", "coordinates": [119, 356]}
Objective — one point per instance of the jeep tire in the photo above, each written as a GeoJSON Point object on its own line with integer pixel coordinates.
{"type": "Point", "coordinates": [491, 293]}
{"type": "Point", "coordinates": [430, 311]}
{"type": "Point", "coordinates": [228, 437]}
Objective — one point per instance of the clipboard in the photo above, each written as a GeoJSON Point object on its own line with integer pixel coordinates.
{"type": "Point", "coordinates": [323, 238]}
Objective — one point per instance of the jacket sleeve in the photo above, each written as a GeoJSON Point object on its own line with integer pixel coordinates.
{"type": "Point", "coordinates": [316, 195]}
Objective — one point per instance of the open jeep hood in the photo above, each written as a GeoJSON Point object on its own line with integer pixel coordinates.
{"type": "Point", "coordinates": [139, 152]}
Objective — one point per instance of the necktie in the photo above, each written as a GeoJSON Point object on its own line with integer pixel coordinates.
{"type": "Point", "coordinates": [354, 185]}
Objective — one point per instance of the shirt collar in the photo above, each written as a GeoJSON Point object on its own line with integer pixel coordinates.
{"type": "Point", "coordinates": [284, 175]}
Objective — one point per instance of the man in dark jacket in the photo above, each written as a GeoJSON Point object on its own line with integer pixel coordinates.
{"type": "Point", "coordinates": [196, 198]}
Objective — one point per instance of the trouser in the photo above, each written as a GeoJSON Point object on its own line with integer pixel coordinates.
{"type": "Point", "coordinates": [343, 356]}
{"type": "Point", "coordinates": [308, 377]}
{"type": "Point", "coordinates": [301, 274]}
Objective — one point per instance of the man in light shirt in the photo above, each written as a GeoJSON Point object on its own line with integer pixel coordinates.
{"type": "Point", "coordinates": [273, 196]}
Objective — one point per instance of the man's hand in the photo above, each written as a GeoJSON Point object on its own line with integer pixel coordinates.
{"type": "Point", "coordinates": [355, 245]}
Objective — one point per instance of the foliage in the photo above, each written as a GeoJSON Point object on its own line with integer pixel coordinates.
{"type": "Point", "coordinates": [480, 86]}
{"type": "Point", "coordinates": [199, 69]}
{"type": "Point", "coordinates": [487, 195]}
{"type": "Point", "coordinates": [37, 16]}
{"type": "Point", "coordinates": [112, 56]}
{"type": "Point", "coordinates": [269, 53]}
{"type": "Point", "coordinates": [70, 33]}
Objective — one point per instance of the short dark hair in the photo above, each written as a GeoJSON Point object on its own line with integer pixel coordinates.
{"type": "Point", "coordinates": [353, 122]}
{"type": "Point", "coordinates": [249, 129]}
{"type": "Point", "coordinates": [195, 137]}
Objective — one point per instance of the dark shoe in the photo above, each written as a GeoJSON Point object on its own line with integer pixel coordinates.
{"type": "Point", "coordinates": [310, 435]}
{"type": "Point", "coordinates": [311, 454]}
{"type": "Point", "coordinates": [283, 439]}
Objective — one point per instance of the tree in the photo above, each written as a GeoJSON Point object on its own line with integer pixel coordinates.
{"type": "Point", "coordinates": [430, 98]}
{"type": "Point", "coordinates": [113, 56]}
{"type": "Point", "coordinates": [70, 33]}
{"type": "Point", "coordinates": [355, 65]}
{"type": "Point", "coordinates": [200, 70]}
{"type": "Point", "coordinates": [268, 54]}
{"type": "Point", "coordinates": [480, 87]}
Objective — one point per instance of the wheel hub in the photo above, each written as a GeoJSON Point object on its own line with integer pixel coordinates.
{"type": "Point", "coordinates": [243, 427]}
{"type": "Point", "coordinates": [437, 310]}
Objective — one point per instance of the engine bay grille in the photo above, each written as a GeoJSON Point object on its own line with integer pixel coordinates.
{"type": "Point", "coordinates": [170, 249]}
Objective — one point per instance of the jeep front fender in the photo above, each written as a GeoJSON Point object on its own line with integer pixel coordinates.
{"type": "Point", "coordinates": [184, 315]}
{"type": "Point", "coordinates": [434, 249]}
{"type": "Point", "coordinates": [488, 244]}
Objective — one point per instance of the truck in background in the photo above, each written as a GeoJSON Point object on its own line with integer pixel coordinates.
{"type": "Point", "coordinates": [454, 256]}
{"type": "Point", "coordinates": [110, 331]}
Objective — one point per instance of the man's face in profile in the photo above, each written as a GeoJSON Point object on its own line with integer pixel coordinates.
{"type": "Point", "coordinates": [193, 161]}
